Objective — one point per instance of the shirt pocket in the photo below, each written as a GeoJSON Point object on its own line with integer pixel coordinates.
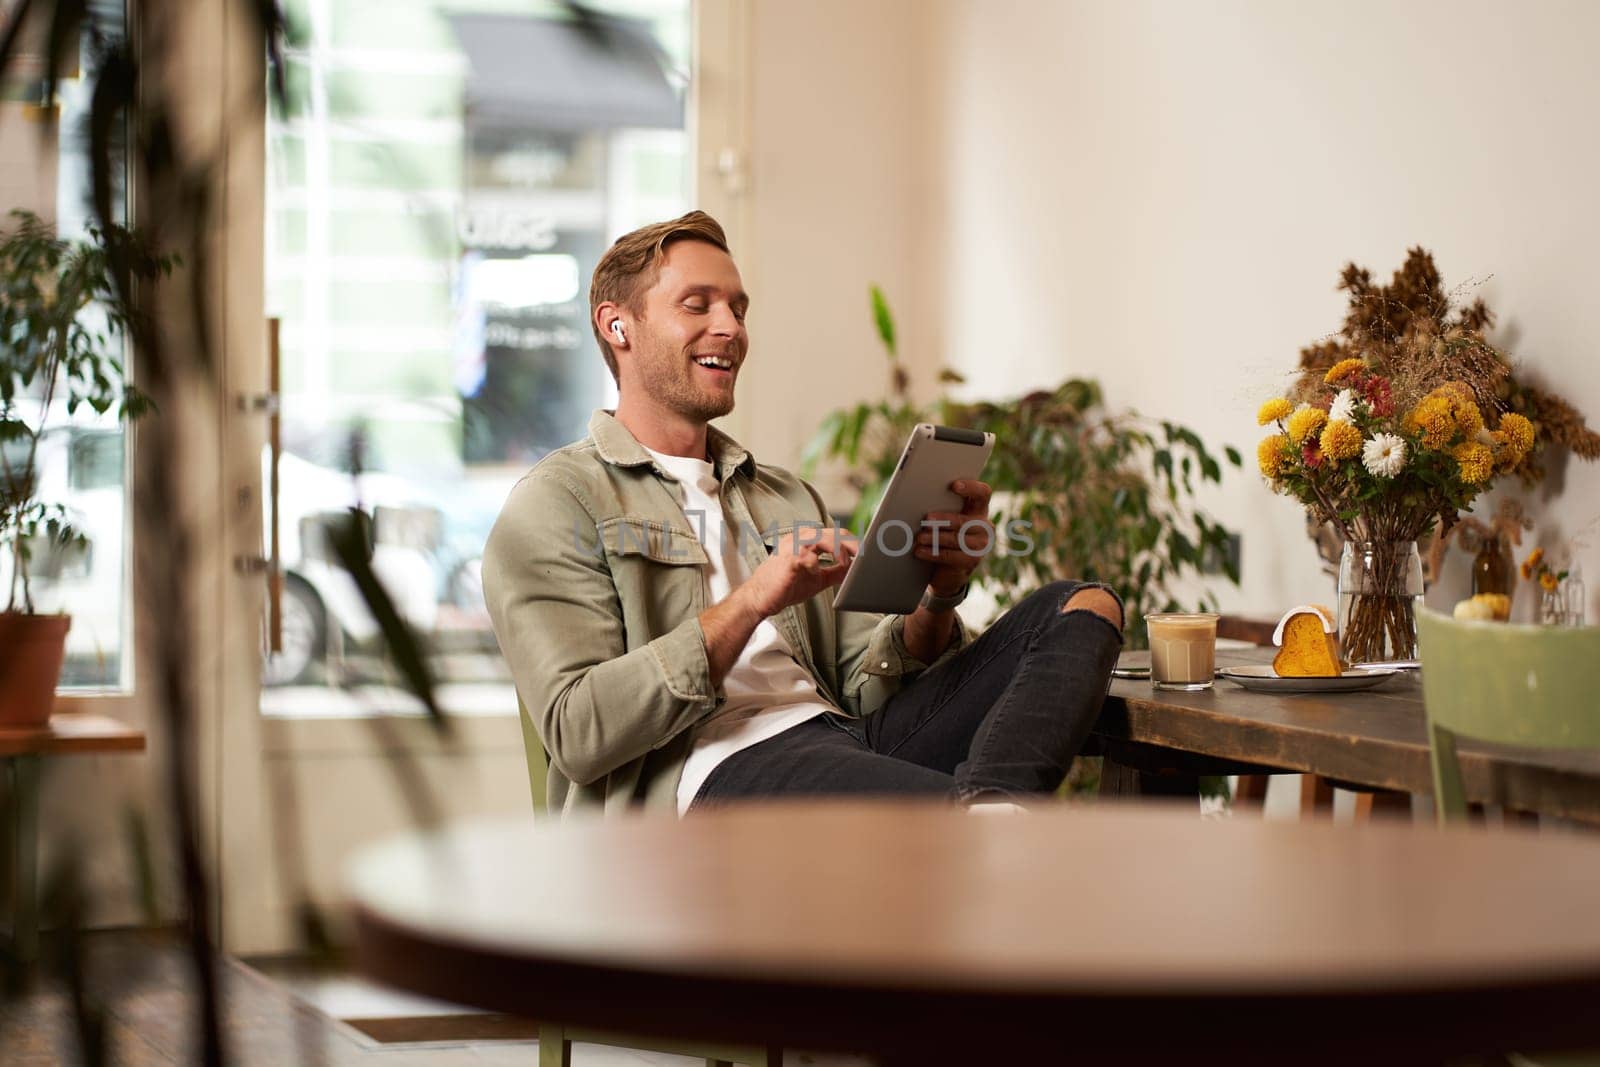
{"type": "Point", "coordinates": [659, 570]}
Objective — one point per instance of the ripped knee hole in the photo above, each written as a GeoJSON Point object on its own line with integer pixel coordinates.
{"type": "Point", "coordinates": [1098, 601]}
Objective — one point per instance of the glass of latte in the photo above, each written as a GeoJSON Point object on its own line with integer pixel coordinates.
{"type": "Point", "coordinates": [1183, 650]}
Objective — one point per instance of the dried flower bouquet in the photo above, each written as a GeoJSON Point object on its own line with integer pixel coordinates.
{"type": "Point", "coordinates": [1398, 423]}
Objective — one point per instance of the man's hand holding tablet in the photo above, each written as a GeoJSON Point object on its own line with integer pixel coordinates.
{"type": "Point", "coordinates": [956, 541]}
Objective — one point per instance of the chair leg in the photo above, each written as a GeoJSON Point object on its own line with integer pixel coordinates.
{"type": "Point", "coordinates": [1382, 802]}
{"type": "Point", "coordinates": [554, 1048]}
{"type": "Point", "coordinates": [1251, 792]}
{"type": "Point", "coordinates": [1316, 797]}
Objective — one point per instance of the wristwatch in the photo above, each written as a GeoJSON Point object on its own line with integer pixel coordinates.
{"type": "Point", "coordinates": [944, 603]}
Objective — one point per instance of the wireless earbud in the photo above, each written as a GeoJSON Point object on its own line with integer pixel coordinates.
{"type": "Point", "coordinates": [616, 328]}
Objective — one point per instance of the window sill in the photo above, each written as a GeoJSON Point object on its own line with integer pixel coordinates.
{"type": "Point", "coordinates": [457, 700]}
{"type": "Point", "coordinates": [372, 720]}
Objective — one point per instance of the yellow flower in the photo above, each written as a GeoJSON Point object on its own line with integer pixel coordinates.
{"type": "Point", "coordinates": [1305, 422]}
{"type": "Point", "coordinates": [1518, 432]}
{"type": "Point", "coordinates": [1273, 410]}
{"type": "Point", "coordinates": [1506, 454]}
{"type": "Point", "coordinates": [1273, 454]}
{"type": "Point", "coordinates": [1341, 440]}
{"type": "Point", "coordinates": [1434, 419]}
{"type": "Point", "coordinates": [1475, 460]}
{"type": "Point", "coordinates": [1534, 559]}
{"type": "Point", "coordinates": [1549, 582]}
{"type": "Point", "coordinates": [1458, 400]}
{"type": "Point", "coordinates": [1342, 369]}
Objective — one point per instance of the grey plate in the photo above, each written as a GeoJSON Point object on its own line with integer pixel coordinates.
{"type": "Point", "coordinates": [1263, 679]}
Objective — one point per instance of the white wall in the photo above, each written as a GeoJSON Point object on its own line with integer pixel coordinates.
{"type": "Point", "coordinates": [1161, 195]}
{"type": "Point", "coordinates": [833, 196]}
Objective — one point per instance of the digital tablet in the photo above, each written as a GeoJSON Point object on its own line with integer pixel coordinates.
{"type": "Point", "coordinates": [885, 576]}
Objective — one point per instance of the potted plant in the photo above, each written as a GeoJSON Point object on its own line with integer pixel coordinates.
{"type": "Point", "coordinates": [61, 347]}
{"type": "Point", "coordinates": [1104, 495]}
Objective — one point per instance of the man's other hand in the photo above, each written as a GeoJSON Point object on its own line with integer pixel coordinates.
{"type": "Point", "coordinates": [804, 562]}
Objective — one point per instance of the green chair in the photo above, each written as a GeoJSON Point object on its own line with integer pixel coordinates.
{"type": "Point", "coordinates": [1506, 684]}
{"type": "Point", "coordinates": [555, 1040]}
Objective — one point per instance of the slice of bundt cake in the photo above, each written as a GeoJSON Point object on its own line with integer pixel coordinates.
{"type": "Point", "coordinates": [1308, 646]}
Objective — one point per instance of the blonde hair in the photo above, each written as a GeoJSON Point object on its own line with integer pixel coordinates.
{"type": "Point", "coordinates": [631, 265]}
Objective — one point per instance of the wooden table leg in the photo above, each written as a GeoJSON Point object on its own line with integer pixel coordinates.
{"type": "Point", "coordinates": [1251, 792]}
{"type": "Point", "coordinates": [1316, 797]}
{"type": "Point", "coordinates": [25, 858]}
{"type": "Point", "coordinates": [1119, 781]}
{"type": "Point", "coordinates": [1382, 803]}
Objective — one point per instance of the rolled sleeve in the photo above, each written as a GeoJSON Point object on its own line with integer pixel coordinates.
{"type": "Point", "coordinates": [888, 655]}
{"type": "Point", "coordinates": [680, 653]}
{"type": "Point", "coordinates": [879, 665]}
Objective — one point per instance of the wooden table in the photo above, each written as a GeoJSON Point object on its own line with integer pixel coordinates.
{"type": "Point", "coordinates": [1375, 738]}
{"type": "Point", "coordinates": [920, 934]}
{"type": "Point", "coordinates": [21, 752]}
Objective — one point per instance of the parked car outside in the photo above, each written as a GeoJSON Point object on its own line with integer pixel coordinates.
{"type": "Point", "coordinates": [427, 547]}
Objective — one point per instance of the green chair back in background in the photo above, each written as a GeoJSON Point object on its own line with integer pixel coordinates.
{"type": "Point", "coordinates": [1504, 683]}
{"type": "Point", "coordinates": [555, 1039]}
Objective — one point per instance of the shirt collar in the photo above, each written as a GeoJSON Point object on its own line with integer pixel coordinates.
{"type": "Point", "coordinates": [620, 448]}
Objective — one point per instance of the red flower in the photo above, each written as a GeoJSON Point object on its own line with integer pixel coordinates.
{"type": "Point", "coordinates": [1379, 396]}
{"type": "Point", "coordinates": [1311, 453]}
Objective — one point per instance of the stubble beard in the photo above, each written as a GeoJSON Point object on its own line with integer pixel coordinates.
{"type": "Point", "coordinates": [675, 390]}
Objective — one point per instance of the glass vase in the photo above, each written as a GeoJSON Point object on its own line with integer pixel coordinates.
{"type": "Point", "coordinates": [1553, 607]}
{"type": "Point", "coordinates": [1577, 596]}
{"type": "Point", "coordinates": [1380, 587]}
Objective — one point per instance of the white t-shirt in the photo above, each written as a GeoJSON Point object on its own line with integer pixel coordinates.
{"type": "Point", "coordinates": [768, 691]}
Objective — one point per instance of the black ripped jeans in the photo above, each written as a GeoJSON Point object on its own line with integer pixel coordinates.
{"type": "Point", "coordinates": [1001, 719]}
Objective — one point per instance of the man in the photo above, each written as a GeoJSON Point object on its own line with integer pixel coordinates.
{"type": "Point", "coordinates": [666, 603]}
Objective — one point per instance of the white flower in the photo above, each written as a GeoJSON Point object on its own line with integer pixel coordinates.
{"type": "Point", "coordinates": [1384, 455]}
{"type": "Point", "coordinates": [1343, 408]}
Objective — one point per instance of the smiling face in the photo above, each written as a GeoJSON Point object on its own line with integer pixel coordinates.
{"type": "Point", "coordinates": [687, 346]}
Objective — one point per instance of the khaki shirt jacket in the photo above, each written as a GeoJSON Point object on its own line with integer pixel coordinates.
{"type": "Point", "coordinates": [595, 581]}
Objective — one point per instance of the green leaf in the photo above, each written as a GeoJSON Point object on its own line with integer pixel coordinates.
{"type": "Point", "coordinates": [1161, 460]}
{"type": "Point", "coordinates": [884, 320]}
{"type": "Point", "coordinates": [854, 424]}
{"type": "Point", "coordinates": [822, 443]}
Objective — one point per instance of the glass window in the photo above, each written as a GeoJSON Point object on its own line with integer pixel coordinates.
{"type": "Point", "coordinates": [95, 460]}
{"type": "Point", "coordinates": [441, 184]}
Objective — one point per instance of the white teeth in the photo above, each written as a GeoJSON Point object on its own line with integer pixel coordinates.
{"type": "Point", "coordinates": [714, 361]}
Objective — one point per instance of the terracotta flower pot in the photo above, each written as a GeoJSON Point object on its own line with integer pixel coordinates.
{"type": "Point", "coordinates": [31, 650]}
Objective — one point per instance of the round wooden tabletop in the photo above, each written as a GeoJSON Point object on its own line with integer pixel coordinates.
{"type": "Point", "coordinates": [908, 930]}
